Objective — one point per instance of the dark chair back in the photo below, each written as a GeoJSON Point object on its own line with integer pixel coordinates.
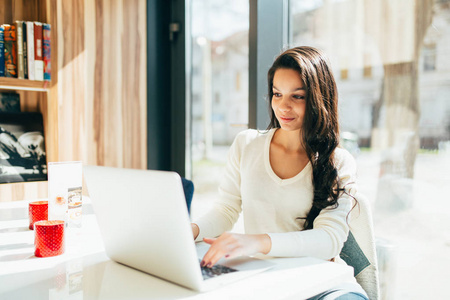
{"type": "Point", "coordinates": [188, 187]}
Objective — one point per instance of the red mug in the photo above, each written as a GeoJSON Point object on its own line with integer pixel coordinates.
{"type": "Point", "coordinates": [49, 238]}
{"type": "Point", "coordinates": [37, 211]}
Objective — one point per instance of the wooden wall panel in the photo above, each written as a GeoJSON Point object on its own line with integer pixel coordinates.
{"type": "Point", "coordinates": [21, 191]}
{"type": "Point", "coordinates": [134, 79]}
{"type": "Point", "coordinates": [102, 82]}
{"type": "Point", "coordinates": [6, 12]}
{"type": "Point", "coordinates": [29, 10]}
{"type": "Point", "coordinates": [25, 10]}
{"type": "Point", "coordinates": [71, 80]}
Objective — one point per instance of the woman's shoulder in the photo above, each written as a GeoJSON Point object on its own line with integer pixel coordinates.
{"type": "Point", "coordinates": [347, 169]}
{"type": "Point", "coordinates": [248, 136]}
{"type": "Point", "coordinates": [343, 159]}
{"type": "Point", "coordinates": [342, 153]}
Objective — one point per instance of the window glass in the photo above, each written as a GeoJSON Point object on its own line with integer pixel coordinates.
{"type": "Point", "coordinates": [391, 60]}
{"type": "Point", "coordinates": [219, 89]}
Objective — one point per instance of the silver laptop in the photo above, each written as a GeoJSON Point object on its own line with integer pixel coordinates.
{"type": "Point", "coordinates": [144, 222]}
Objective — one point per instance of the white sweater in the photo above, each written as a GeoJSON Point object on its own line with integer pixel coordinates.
{"type": "Point", "coordinates": [273, 205]}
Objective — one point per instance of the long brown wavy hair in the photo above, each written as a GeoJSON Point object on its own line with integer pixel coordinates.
{"type": "Point", "coordinates": [320, 131]}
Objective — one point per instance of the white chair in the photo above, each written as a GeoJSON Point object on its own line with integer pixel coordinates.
{"type": "Point", "coordinates": [359, 250]}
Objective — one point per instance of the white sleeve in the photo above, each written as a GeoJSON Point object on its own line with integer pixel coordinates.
{"type": "Point", "coordinates": [227, 208]}
{"type": "Point", "coordinates": [330, 228]}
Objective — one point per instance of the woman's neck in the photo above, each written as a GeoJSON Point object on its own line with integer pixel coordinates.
{"type": "Point", "coordinates": [289, 140]}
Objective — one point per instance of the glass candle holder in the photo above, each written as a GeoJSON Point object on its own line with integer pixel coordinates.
{"type": "Point", "coordinates": [37, 211]}
{"type": "Point", "coordinates": [49, 238]}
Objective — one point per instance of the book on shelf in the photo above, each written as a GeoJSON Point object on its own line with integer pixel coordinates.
{"type": "Point", "coordinates": [10, 50]}
{"type": "Point", "coordinates": [25, 50]}
{"type": "Point", "coordinates": [30, 49]}
{"type": "Point", "coordinates": [38, 52]}
{"type": "Point", "coordinates": [46, 29]}
{"type": "Point", "coordinates": [2, 52]}
{"type": "Point", "coordinates": [19, 47]}
{"type": "Point", "coordinates": [9, 102]}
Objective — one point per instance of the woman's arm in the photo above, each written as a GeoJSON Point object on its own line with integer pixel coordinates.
{"type": "Point", "coordinates": [195, 230]}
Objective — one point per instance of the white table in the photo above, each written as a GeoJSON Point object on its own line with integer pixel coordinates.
{"type": "Point", "coordinates": [85, 272]}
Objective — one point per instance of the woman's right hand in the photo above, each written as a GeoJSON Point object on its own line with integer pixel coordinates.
{"type": "Point", "coordinates": [231, 245]}
{"type": "Point", "coordinates": [195, 230]}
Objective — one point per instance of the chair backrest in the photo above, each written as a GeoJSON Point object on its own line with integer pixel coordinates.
{"type": "Point", "coordinates": [188, 187]}
{"type": "Point", "coordinates": [359, 250]}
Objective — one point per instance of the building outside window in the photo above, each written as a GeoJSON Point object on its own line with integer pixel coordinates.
{"type": "Point", "coordinates": [220, 83]}
{"type": "Point", "coordinates": [392, 64]}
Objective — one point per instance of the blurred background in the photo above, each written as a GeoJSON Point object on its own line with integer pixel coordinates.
{"type": "Point", "coordinates": [391, 60]}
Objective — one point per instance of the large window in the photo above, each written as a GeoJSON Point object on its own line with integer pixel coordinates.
{"type": "Point", "coordinates": [391, 59]}
{"type": "Point", "coordinates": [219, 89]}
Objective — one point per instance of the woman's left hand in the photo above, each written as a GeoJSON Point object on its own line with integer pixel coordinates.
{"type": "Point", "coordinates": [230, 245]}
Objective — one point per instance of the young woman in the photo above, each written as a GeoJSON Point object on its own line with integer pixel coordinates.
{"type": "Point", "coordinates": [293, 184]}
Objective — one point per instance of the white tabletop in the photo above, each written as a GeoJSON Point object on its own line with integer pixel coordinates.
{"type": "Point", "coordinates": [85, 272]}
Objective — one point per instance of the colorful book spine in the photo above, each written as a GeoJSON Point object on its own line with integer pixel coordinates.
{"type": "Point", "coordinates": [2, 52]}
{"type": "Point", "coordinates": [38, 52]}
{"type": "Point", "coordinates": [46, 29]}
{"type": "Point", "coordinates": [19, 47]}
{"type": "Point", "coordinates": [25, 50]}
{"type": "Point", "coordinates": [30, 50]}
{"type": "Point", "coordinates": [10, 50]}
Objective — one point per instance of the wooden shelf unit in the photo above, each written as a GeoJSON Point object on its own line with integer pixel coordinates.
{"type": "Point", "coordinates": [35, 96]}
{"type": "Point", "coordinates": [95, 106]}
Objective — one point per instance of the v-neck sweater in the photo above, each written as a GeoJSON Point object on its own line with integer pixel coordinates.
{"type": "Point", "coordinates": [276, 206]}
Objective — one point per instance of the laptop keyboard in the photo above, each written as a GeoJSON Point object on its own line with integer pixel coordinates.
{"type": "Point", "coordinates": [216, 270]}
